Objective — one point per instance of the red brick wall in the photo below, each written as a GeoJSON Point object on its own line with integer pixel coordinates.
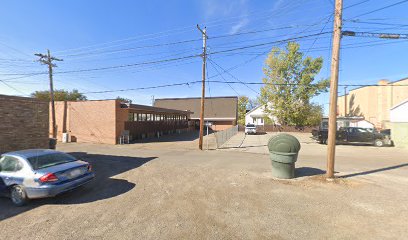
{"type": "Point", "coordinates": [23, 124]}
{"type": "Point", "coordinates": [88, 121]}
{"type": "Point", "coordinates": [221, 125]}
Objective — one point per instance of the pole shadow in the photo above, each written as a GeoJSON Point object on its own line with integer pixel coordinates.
{"type": "Point", "coordinates": [374, 171]}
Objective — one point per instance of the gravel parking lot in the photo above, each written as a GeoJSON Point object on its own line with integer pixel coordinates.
{"type": "Point", "coordinates": [176, 193]}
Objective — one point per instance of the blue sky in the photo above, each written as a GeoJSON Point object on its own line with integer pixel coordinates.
{"type": "Point", "coordinates": [98, 34]}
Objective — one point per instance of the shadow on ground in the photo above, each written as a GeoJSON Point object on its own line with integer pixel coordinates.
{"type": "Point", "coordinates": [374, 171]}
{"type": "Point", "coordinates": [103, 186]}
{"type": "Point", "coordinates": [308, 171]}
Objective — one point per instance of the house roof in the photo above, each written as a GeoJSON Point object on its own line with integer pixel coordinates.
{"type": "Point", "coordinates": [253, 109]}
{"type": "Point", "coordinates": [214, 108]}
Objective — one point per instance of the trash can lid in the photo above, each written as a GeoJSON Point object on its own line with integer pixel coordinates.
{"type": "Point", "coordinates": [284, 143]}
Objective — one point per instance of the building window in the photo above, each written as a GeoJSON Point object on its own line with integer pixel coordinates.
{"type": "Point", "coordinates": [131, 117]}
{"type": "Point", "coordinates": [261, 120]}
{"type": "Point", "coordinates": [254, 120]}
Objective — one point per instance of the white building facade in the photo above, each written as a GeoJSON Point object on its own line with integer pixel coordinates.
{"type": "Point", "coordinates": [258, 116]}
{"type": "Point", "coordinates": [399, 124]}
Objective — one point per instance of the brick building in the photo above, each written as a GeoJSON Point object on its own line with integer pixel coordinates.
{"type": "Point", "coordinates": [222, 112]}
{"type": "Point", "coordinates": [374, 102]}
{"type": "Point", "coordinates": [24, 123]}
{"type": "Point", "coordinates": [105, 121]}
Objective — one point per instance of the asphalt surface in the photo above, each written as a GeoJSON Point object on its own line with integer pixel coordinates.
{"type": "Point", "coordinates": [165, 193]}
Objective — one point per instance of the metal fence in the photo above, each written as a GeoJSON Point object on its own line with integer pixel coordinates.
{"type": "Point", "coordinates": [222, 136]}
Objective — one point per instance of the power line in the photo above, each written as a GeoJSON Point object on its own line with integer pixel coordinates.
{"type": "Point", "coordinates": [236, 82]}
{"type": "Point", "coordinates": [355, 4]}
{"type": "Point", "coordinates": [187, 57]}
{"type": "Point", "coordinates": [130, 65]}
{"type": "Point", "coordinates": [229, 73]}
{"type": "Point", "coordinates": [268, 43]}
{"type": "Point", "coordinates": [133, 48]}
{"type": "Point", "coordinates": [220, 74]}
{"type": "Point", "coordinates": [376, 23]}
{"type": "Point", "coordinates": [382, 8]}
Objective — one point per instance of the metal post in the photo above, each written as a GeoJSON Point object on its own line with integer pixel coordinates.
{"type": "Point", "coordinates": [345, 101]}
{"type": "Point", "coordinates": [207, 134]}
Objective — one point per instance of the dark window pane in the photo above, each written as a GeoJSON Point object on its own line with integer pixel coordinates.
{"type": "Point", "coordinates": [48, 160]}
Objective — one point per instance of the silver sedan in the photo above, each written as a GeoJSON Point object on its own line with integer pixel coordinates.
{"type": "Point", "coordinates": [40, 173]}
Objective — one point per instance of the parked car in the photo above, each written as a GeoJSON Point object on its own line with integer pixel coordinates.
{"type": "Point", "coordinates": [41, 173]}
{"type": "Point", "coordinates": [354, 135]}
{"type": "Point", "coordinates": [250, 129]}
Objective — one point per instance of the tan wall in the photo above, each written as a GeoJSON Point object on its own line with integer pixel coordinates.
{"type": "Point", "coordinates": [89, 121]}
{"type": "Point", "coordinates": [375, 102]}
{"type": "Point", "coordinates": [399, 134]}
{"type": "Point", "coordinates": [23, 124]}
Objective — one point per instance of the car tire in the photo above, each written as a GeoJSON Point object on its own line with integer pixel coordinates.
{"type": "Point", "coordinates": [18, 195]}
{"type": "Point", "coordinates": [378, 143]}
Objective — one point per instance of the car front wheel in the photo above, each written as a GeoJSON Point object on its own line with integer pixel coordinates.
{"type": "Point", "coordinates": [18, 195]}
{"type": "Point", "coordinates": [378, 143]}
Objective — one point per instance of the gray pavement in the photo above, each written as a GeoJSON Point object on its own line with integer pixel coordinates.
{"type": "Point", "coordinates": [176, 193]}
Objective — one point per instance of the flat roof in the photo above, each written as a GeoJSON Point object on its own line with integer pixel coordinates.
{"type": "Point", "coordinates": [153, 109]}
{"type": "Point", "coordinates": [214, 107]}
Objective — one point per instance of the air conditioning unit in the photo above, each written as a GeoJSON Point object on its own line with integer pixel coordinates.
{"type": "Point", "coordinates": [65, 137]}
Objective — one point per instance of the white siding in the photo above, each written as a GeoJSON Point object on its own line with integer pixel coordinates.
{"type": "Point", "coordinates": [257, 116]}
{"type": "Point", "coordinates": [399, 113]}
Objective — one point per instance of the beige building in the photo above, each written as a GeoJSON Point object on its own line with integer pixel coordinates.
{"type": "Point", "coordinates": [374, 102]}
{"type": "Point", "coordinates": [222, 112]}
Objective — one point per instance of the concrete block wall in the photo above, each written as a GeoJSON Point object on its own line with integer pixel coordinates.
{"type": "Point", "coordinates": [399, 134]}
{"type": "Point", "coordinates": [24, 123]}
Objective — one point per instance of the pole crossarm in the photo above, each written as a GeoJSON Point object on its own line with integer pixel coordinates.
{"type": "Point", "coordinates": [375, 35]}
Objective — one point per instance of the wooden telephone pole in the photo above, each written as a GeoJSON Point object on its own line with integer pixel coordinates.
{"type": "Point", "coordinates": [331, 144]}
{"type": "Point", "coordinates": [204, 56]}
{"type": "Point", "coordinates": [47, 60]}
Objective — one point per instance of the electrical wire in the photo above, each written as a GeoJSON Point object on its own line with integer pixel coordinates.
{"type": "Point", "coordinates": [382, 8]}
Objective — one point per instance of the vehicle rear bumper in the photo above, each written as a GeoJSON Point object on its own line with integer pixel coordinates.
{"type": "Point", "coordinates": [53, 190]}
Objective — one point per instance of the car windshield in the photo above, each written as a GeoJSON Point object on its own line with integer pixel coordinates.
{"type": "Point", "coordinates": [250, 125]}
{"type": "Point", "coordinates": [49, 160]}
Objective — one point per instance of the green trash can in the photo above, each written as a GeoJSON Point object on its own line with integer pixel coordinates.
{"type": "Point", "coordinates": [53, 143]}
{"type": "Point", "coordinates": [283, 152]}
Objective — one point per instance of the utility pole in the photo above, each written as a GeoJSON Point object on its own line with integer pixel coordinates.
{"type": "Point", "coordinates": [47, 60]}
{"type": "Point", "coordinates": [204, 56]}
{"type": "Point", "coordinates": [345, 101]}
{"type": "Point", "coordinates": [331, 144]}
